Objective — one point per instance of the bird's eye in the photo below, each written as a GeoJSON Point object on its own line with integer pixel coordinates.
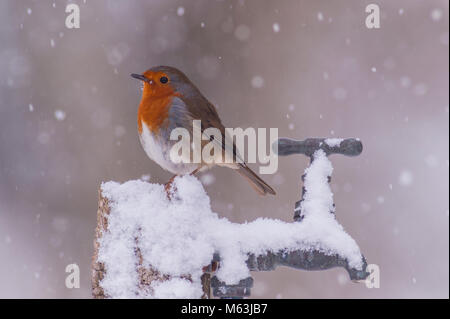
{"type": "Point", "coordinates": [163, 80]}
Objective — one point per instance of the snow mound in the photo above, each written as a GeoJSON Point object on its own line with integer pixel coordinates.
{"type": "Point", "coordinates": [178, 237]}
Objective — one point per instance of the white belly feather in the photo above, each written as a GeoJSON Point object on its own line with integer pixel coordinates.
{"type": "Point", "coordinates": [159, 151]}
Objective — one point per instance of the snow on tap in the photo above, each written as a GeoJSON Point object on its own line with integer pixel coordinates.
{"type": "Point", "coordinates": [178, 237]}
{"type": "Point", "coordinates": [334, 142]}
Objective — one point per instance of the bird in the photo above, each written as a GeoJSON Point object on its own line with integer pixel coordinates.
{"type": "Point", "coordinates": [170, 100]}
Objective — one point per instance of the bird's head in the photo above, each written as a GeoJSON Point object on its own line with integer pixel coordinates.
{"type": "Point", "coordinates": [164, 80]}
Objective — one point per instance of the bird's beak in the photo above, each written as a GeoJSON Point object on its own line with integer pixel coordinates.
{"type": "Point", "coordinates": [140, 77]}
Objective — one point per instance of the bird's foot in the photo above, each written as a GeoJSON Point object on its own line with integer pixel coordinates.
{"type": "Point", "coordinates": [169, 188]}
{"type": "Point", "coordinates": [195, 171]}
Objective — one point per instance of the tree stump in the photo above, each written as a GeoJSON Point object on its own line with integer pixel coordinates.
{"type": "Point", "coordinates": [146, 275]}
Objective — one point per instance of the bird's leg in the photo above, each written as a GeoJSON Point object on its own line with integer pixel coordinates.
{"type": "Point", "coordinates": [168, 185]}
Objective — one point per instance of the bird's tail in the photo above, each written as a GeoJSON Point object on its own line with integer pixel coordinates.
{"type": "Point", "coordinates": [255, 181]}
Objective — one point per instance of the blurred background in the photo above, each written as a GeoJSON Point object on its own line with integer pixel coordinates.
{"type": "Point", "coordinates": [310, 68]}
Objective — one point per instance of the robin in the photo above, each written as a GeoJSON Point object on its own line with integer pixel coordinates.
{"type": "Point", "coordinates": [170, 100]}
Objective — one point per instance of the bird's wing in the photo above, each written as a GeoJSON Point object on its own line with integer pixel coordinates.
{"type": "Point", "coordinates": [184, 110]}
{"type": "Point", "coordinates": [206, 112]}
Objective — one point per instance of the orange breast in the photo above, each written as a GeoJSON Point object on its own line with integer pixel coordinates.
{"type": "Point", "coordinates": [153, 111]}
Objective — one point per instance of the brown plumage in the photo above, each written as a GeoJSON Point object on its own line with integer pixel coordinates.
{"type": "Point", "coordinates": [171, 100]}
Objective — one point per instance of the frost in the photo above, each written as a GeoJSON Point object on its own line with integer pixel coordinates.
{"type": "Point", "coordinates": [178, 237]}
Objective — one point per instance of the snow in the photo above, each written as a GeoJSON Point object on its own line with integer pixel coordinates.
{"type": "Point", "coordinates": [405, 81]}
{"type": "Point", "coordinates": [420, 89]}
{"type": "Point", "coordinates": [405, 178]}
{"type": "Point", "coordinates": [175, 288]}
{"type": "Point", "coordinates": [334, 142]}
{"type": "Point", "coordinates": [60, 115]}
{"type": "Point", "coordinates": [257, 82]}
{"type": "Point", "coordinates": [320, 16]}
{"type": "Point", "coordinates": [339, 93]}
{"type": "Point", "coordinates": [276, 27]}
{"type": "Point", "coordinates": [242, 32]}
{"type": "Point", "coordinates": [180, 11]}
{"type": "Point", "coordinates": [436, 14]}
{"type": "Point", "coordinates": [178, 237]}
{"type": "Point", "coordinates": [207, 179]}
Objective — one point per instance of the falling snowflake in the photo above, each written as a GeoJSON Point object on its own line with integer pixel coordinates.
{"type": "Point", "coordinates": [320, 16]}
{"type": "Point", "coordinates": [242, 32]}
{"type": "Point", "coordinates": [180, 11]}
{"type": "Point", "coordinates": [436, 14]}
{"type": "Point", "coordinates": [276, 27]}
{"type": "Point", "coordinates": [60, 115]}
{"type": "Point", "coordinates": [339, 93]}
{"type": "Point", "coordinates": [257, 82]}
{"type": "Point", "coordinates": [405, 178]}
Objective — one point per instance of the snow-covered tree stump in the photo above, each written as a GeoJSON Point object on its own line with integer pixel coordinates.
{"type": "Point", "coordinates": [150, 246]}
{"type": "Point", "coordinates": [147, 275]}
